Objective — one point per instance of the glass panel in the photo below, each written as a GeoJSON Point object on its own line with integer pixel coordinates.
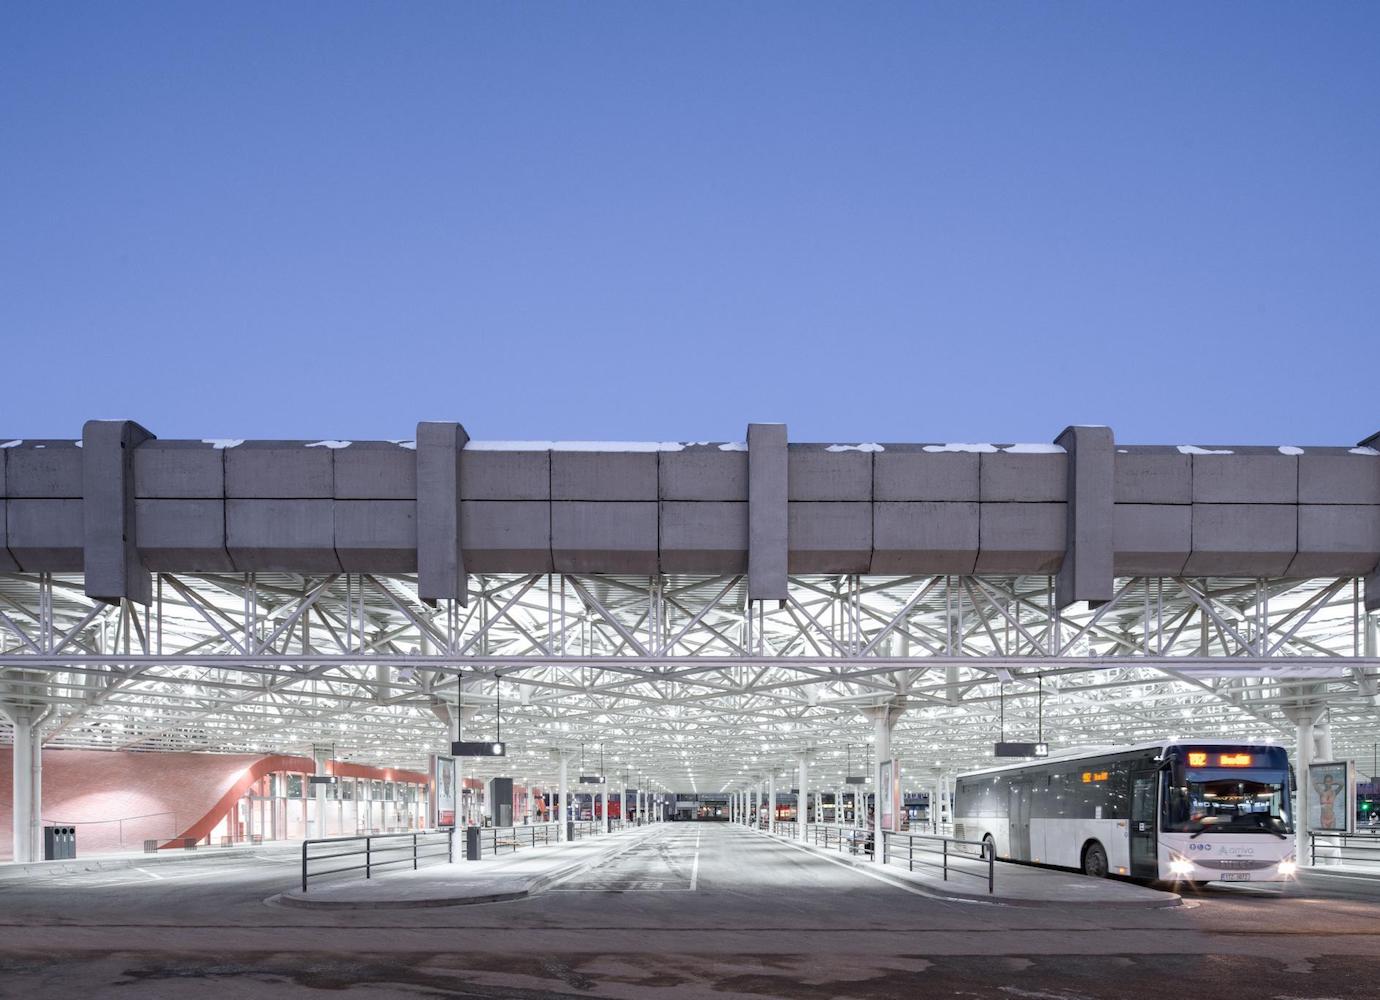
{"type": "Point", "coordinates": [1232, 802]}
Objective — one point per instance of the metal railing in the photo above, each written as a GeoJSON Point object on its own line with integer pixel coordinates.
{"type": "Point", "coordinates": [382, 850]}
{"type": "Point", "coordinates": [785, 828]}
{"type": "Point", "coordinates": [852, 839]}
{"type": "Point", "coordinates": [495, 839]}
{"type": "Point", "coordinates": [942, 854]}
{"type": "Point", "coordinates": [1333, 848]}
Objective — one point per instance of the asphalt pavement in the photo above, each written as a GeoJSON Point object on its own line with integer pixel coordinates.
{"type": "Point", "coordinates": [697, 910]}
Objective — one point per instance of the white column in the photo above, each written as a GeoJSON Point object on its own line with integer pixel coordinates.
{"type": "Point", "coordinates": [22, 818]}
{"type": "Point", "coordinates": [771, 804]}
{"type": "Point", "coordinates": [1303, 758]}
{"type": "Point", "coordinates": [563, 793]}
{"type": "Point", "coordinates": [802, 801]}
{"type": "Point", "coordinates": [27, 775]}
{"type": "Point", "coordinates": [605, 793]}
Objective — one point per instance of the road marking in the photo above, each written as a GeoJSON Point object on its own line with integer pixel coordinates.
{"type": "Point", "coordinates": [695, 869]}
{"type": "Point", "coordinates": [149, 873]}
{"type": "Point", "coordinates": [863, 871]}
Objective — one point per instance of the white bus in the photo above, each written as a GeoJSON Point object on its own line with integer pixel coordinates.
{"type": "Point", "coordinates": [1188, 811]}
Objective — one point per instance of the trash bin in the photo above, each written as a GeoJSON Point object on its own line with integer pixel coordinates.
{"type": "Point", "coordinates": [59, 843]}
{"type": "Point", "coordinates": [471, 843]}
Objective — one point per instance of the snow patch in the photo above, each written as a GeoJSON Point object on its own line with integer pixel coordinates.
{"type": "Point", "coordinates": [18, 441]}
{"type": "Point", "coordinates": [1193, 449]}
{"type": "Point", "coordinates": [1289, 449]}
{"type": "Point", "coordinates": [330, 444]}
{"type": "Point", "coordinates": [222, 443]}
{"type": "Point", "coordinates": [866, 446]}
{"type": "Point", "coordinates": [624, 446]}
{"type": "Point", "coordinates": [77, 443]}
{"type": "Point", "coordinates": [1123, 451]}
{"type": "Point", "coordinates": [982, 449]}
{"type": "Point", "coordinates": [1034, 449]}
{"type": "Point", "coordinates": [407, 443]}
{"type": "Point", "coordinates": [1361, 450]}
{"type": "Point", "coordinates": [733, 446]}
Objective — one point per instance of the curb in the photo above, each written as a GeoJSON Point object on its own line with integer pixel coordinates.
{"type": "Point", "coordinates": [533, 885]}
{"type": "Point", "coordinates": [11, 872]}
{"type": "Point", "coordinates": [1172, 899]}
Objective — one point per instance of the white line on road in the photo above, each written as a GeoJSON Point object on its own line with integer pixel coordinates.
{"type": "Point", "coordinates": [695, 868]}
{"type": "Point", "coordinates": [863, 871]}
{"type": "Point", "coordinates": [149, 873]}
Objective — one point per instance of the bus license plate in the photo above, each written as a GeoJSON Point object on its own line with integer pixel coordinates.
{"type": "Point", "coordinates": [1236, 876]}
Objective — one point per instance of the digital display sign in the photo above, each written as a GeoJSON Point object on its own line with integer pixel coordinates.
{"type": "Point", "coordinates": [1090, 776]}
{"type": "Point", "coordinates": [1201, 758]}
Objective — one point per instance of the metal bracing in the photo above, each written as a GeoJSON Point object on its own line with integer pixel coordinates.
{"type": "Point", "coordinates": [679, 677]}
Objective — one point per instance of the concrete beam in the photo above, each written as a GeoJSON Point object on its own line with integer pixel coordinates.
{"type": "Point", "coordinates": [1021, 537]}
{"type": "Point", "coordinates": [440, 556]}
{"type": "Point", "coordinates": [704, 537]}
{"type": "Point", "coordinates": [46, 535]}
{"type": "Point", "coordinates": [182, 535]}
{"type": "Point", "coordinates": [1086, 573]}
{"type": "Point", "coordinates": [282, 536]}
{"type": "Point", "coordinates": [506, 536]}
{"type": "Point", "coordinates": [829, 537]}
{"type": "Point", "coordinates": [1243, 539]}
{"type": "Point", "coordinates": [8, 564]}
{"type": "Point", "coordinates": [112, 568]}
{"type": "Point", "coordinates": [908, 472]}
{"type": "Point", "coordinates": [768, 517]}
{"type": "Point", "coordinates": [590, 536]}
{"type": "Point", "coordinates": [925, 536]}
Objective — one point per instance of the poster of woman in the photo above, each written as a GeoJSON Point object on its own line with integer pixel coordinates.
{"type": "Point", "coordinates": [1331, 796]}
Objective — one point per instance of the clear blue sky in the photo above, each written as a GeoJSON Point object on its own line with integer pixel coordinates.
{"type": "Point", "coordinates": [934, 222]}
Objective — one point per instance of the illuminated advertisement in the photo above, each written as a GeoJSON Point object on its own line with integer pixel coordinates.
{"type": "Point", "coordinates": [886, 795]}
{"type": "Point", "coordinates": [443, 790]}
{"type": "Point", "coordinates": [1332, 796]}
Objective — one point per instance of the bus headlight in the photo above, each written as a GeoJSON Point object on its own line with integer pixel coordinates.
{"type": "Point", "coordinates": [1288, 867]}
{"type": "Point", "coordinates": [1181, 867]}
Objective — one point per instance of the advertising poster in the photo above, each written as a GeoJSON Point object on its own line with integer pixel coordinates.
{"type": "Point", "coordinates": [1331, 796]}
{"type": "Point", "coordinates": [443, 790]}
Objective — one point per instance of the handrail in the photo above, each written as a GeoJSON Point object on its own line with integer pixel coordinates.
{"type": "Point", "coordinates": [413, 847]}
{"type": "Point", "coordinates": [947, 857]}
{"type": "Point", "coordinates": [1364, 847]}
{"type": "Point", "coordinates": [492, 839]}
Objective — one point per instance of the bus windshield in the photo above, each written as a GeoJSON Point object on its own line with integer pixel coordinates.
{"type": "Point", "coordinates": [1228, 801]}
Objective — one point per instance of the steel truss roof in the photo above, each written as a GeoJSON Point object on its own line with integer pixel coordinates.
{"type": "Point", "coordinates": [682, 683]}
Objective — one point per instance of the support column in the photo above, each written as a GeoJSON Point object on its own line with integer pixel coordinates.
{"type": "Point", "coordinates": [1086, 571]}
{"type": "Point", "coordinates": [563, 793]}
{"type": "Point", "coordinates": [320, 759]}
{"type": "Point", "coordinates": [884, 718]}
{"type": "Point", "coordinates": [440, 558]}
{"type": "Point", "coordinates": [604, 794]}
{"type": "Point", "coordinates": [27, 774]}
{"type": "Point", "coordinates": [767, 512]}
{"type": "Point", "coordinates": [802, 801]}
{"type": "Point", "coordinates": [771, 804]}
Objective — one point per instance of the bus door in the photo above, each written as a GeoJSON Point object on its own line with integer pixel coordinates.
{"type": "Point", "coordinates": [1144, 845]}
{"type": "Point", "coordinates": [1018, 819]}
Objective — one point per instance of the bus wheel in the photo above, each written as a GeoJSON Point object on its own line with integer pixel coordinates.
{"type": "Point", "coordinates": [1095, 861]}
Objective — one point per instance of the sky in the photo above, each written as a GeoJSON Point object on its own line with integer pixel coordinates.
{"type": "Point", "coordinates": [660, 221]}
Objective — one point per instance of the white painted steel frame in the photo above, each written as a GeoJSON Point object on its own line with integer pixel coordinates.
{"type": "Point", "coordinates": [681, 680]}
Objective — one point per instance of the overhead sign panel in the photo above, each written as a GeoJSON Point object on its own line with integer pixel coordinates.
{"type": "Point", "coordinates": [1022, 750]}
{"type": "Point", "coordinates": [478, 748]}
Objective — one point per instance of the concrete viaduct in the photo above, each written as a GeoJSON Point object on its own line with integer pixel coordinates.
{"type": "Point", "coordinates": [120, 503]}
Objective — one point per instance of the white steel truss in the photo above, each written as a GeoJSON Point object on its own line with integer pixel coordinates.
{"type": "Point", "coordinates": [679, 679]}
